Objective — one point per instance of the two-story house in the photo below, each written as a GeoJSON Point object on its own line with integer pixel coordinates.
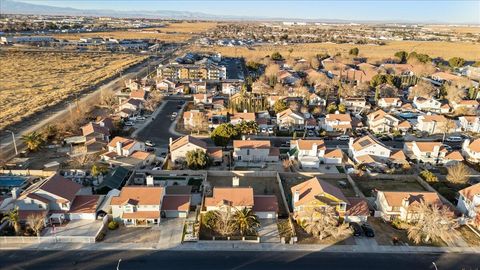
{"type": "Point", "coordinates": [312, 195]}
{"type": "Point", "coordinates": [202, 99]}
{"type": "Point", "coordinates": [237, 118]}
{"type": "Point", "coordinates": [368, 149]}
{"type": "Point", "coordinates": [138, 206]}
{"type": "Point", "coordinates": [430, 105]}
{"type": "Point", "coordinates": [355, 104]}
{"type": "Point", "coordinates": [403, 205]}
{"type": "Point", "coordinates": [127, 152]}
{"type": "Point", "coordinates": [434, 124]}
{"type": "Point", "coordinates": [471, 150]}
{"type": "Point", "coordinates": [316, 100]}
{"type": "Point", "coordinates": [238, 198]}
{"type": "Point", "coordinates": [254, 151]}
{"type": "Point", "coordinates": [470, 105]}
{"type": "Point", "coordinates": [310, 153]}
{"type": "Point", "coordinates": [337, 122]}
{"type": "Point", "coordinates": [431, 152]}
{"type": "Point", "coordinates": [389, 103]}
{"type": "Point", "coordinates": [290, 120]}
{"type": "Point", "coordinates": [469, 201]}
{"type": "Point", "coordinates": [382, 122]}
{"type": "Point", "coordinates": [470, 123]}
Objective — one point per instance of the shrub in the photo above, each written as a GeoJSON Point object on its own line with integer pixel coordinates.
{"type": "Point", "coordinates": [399, 224]}
{"type": "Point", "coordinates": [428, 176]}
{"type": "Point", "coordinates": [448, 193]}
{"type": "Point", "coordinates": [113, 225]}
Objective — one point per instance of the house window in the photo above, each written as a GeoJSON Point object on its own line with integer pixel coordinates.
{"type": "Point", "coordinates": [40, 206]}
{"type": "Point", "coordinates": [64, 205]}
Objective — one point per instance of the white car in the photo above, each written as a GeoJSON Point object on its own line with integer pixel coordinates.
{"type": "Point", "coordinates": [129, 124]}
{"type": "Point", "coordinates": [174, 114]}
{"type": "Point", "coordinates": [343, 138]}
{"type": "Point", "coordinates": [141, 118]}
{"type": "Point", "coordinates": [157, 169]}
{"type": "Point", "coordinates": [149, 143]}
{"type": "Point", "coordinates": [270, 130]}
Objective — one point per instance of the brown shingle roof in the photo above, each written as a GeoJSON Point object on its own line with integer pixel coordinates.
{"type": "Point", "coordinates": [303, 144]}
{"type": "Point", "coordinates": [61, 187]}
{"type": "Point", "coordinates": [142, 214]}
{"type": "Point", "coordinates": [139, 195]}
{"type": "Point", "coordinates": [339, 117]}
{"type": "Point", "coordinates": [364, 142]}
{"type": "Point", "coordinates": [475, 145]}
{"type": "Point", "coordinates": [357, 207]}
{"type": "Point", "coordinates": [470, 191]}
{"type": "Point", "coordinates": [263, 203]}
{"type": "Point", "coordinates": [235, 196]}
{"type": "Point", "coordinates": [334, 153]}
{"type": "Point", "coordinates": [84, 204]}
{"type": "Point", "coordinates": [176, 203]}
{"type": "Point", "coordinates": [395, 198]}
{"type": "Point", "coordinates": [429, 146]}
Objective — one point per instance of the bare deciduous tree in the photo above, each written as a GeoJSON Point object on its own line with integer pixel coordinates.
{"type": "Point", "coordinates": [36, 223]}
{"type": "Point", "coordinates": [323, 223]}
{"type": "Point", "coordinates": [423, 89]}
{"type": "Point", "coordinates": [458, 173]}
{"type": "Point", "coordinates": [434, 223]}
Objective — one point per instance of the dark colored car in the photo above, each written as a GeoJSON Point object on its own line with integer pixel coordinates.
{"type": "Point", "coordinates": [368, 231]}
{"type": "Point", "coordinates": [357, 230]}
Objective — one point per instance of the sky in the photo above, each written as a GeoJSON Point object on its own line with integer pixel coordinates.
{"type": "Point", "coordinates": [415, 11]}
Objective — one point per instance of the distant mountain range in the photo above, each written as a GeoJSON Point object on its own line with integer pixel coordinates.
{"type": "Point", "coordinates": [17, 7]}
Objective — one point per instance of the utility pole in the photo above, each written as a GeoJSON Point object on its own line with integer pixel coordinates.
{"type": "Point", "coordinates": [14, 143]}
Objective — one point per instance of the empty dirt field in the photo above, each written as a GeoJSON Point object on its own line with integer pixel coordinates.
{"type": "Point", "coordinates": [31, 81]}
{"type": "Point", "coordinates": [469, 51]}
{"type": "Point", "coordinates": [173, 32]}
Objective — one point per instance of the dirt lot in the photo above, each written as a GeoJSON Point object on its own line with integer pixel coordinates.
{"type": "Point", "coordinates": [470, 237]}
{"type": "Point", "coordinates": [132, 235]}
{"type": "Point", "coordinates": [304, 238]}
{"type": "Point", "coordinates": [260, 185]}
{"type": "Point", "coordinates": [366, 186]}
{"type": "Point", "coordinates": [174, 32]}
{"type": "Point", "coordinates": [446, 50]}
{"type": "Point", "coordinates": [290, 181]}
{"type": "Point", "coordinates": [31, 81]}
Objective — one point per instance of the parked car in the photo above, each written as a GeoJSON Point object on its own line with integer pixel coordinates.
{"type": "Point", "coordinates": [150, 149]}
{"type": "Point", "coordinates": [454, 139]}
{"type": "Point", "coordinates": [264, 130]}
{"type": "Point", "coordinates": [448, 147]}
{"type": "Point", "coordinates": [141, 118]}
{"type": "Point", "coordinates": [343, 138]}
{"type": "Point", "coordinates": [368, 231]}
{"type": "Point", "coordinates": [311, 133]}
{"type": "Point", "coordinates": [129, 124]}
{"type": "Point", "coordinates": [157, 169]}
{"type": "Point", "coordinates": [270, 130]}
{"type": "Point", "coordinates": [149, 143]}
{"type": "Point", "coordinates": [357, 230]}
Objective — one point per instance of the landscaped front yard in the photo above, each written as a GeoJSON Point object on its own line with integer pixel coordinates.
{"type": "Point", "coordinates": [305, 238]}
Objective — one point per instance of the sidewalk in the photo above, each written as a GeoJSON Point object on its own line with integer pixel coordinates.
{"type": "Point", "coordinates": [236, 246]}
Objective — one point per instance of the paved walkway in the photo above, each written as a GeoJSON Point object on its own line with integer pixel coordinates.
{"type": "Point", "coordinates": [171, 231]}
{"type": "Point", "coordinates": [269, 231]}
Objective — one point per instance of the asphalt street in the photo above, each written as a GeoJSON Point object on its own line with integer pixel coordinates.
{"type": "Point", "coordinates": [198, 260]}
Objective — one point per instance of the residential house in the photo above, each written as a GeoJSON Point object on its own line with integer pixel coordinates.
{"type": "Point", "coordinates": [403, 205]}
{"type": "Point", "coordinates": [96, 136]}
{"type": "Point", "coordinates": [368, 150]}
{"type": "Point", "coordinates": [237, 118]}
{"type": "Point", "coordinates": [310, 153]}
{"type": "Point", "coordinates": [431, 152]}
{"type": "Point", "coordinates": [231, 87]}
{"type": "Point", "coordinates": [316, 100]}
{"type": "Point", "coordinates": [130, 107]}
{"type": "Point", "coordinates": [315, 194]}
{"type": "Point", "coordinates": [444, 77]}
{"type": "Point", "coordinates": [471, 150]}
{"type": "Point", "coordinates": [469, 105]}
{"type": "Point", "coordinates": [139, 94]}
{"type": "Point", "coordinates": [138, 206]}
{"type": "Point", "coordinates": [435, 123]}
{"type": "Point", "coordinates": [273, 99]}
{"type": "Point", "coordinates": [127, 152]}
{"type": "Point", "coordinates": [355, 104]}
{"type": "Point", "coordinates": [202, 99]}
{"type": "Point", "coordinates": [290, 120]}
{"type": "Point", "coordinates": [165, 85]}
{"type": "Point", "coordinates": [224, 198]}
{"type": "Point", "coordinates": [286, 77]}
{"type": "Point", "coordinates": [195, 119]}
{"type": "Point", "coordinates": [198, 87]}
{"type": "Point", "coordinates": [57, 199]}
{"type": "Point", "coordinates": [254, 151]}
{"type": "Point", "coordinates": [182, 145]}
{"type": "Point", "coordinates": [470, 123]}
{"type": "Point", "coordinates": [469, 201]}
{"type": "Point", "coordinates": [430, 105]}
{"type": "Point", "coordinates": [382, 122]}
{"type": "Point", "coordinates": [337, 122]}
{"type": "Point", "coordinates": [388, 103]}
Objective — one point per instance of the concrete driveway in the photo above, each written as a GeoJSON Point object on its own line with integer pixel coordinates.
{"type": "Point", "coordinates": [75, 228]}
{"type": "Point", "coordinates": [171, 231]}
{"type": "Point", "coordinates": [268, 231]}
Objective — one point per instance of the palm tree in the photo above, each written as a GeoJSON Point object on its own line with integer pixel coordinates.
{"type": "Point", "coordinates": [246, 220]}
{"type": "Point", "coordinates": [434, 223]}
{"type": "Point", "coordinates": [33, 140]}
{"type": "Point", "coordinates": [197, 159]}
{"type": "Point", "coordinates": [13, 220]}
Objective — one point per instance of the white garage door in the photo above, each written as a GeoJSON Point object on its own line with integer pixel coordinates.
{"type": "Point", "coordinates": [356, 218]}
{"type": "Point", "coordinates": [265, 215]}
{"type": "Point", "coordinates": [75, 216]}
{"type": "Point", "coordinates": [174, 214]}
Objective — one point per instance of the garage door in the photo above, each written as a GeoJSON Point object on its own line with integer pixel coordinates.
{"type": "Point", "coordinates": [266, 215]}
{"type": "Point", "coordinates": [356, 219]}
{"type": "Point", "coordinates": [75, 216]}
{"type": "Point", "coordinates": [174, 214]}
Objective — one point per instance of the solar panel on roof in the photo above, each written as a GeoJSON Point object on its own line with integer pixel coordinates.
{"type": "Point", "coordinates": [364, 143]}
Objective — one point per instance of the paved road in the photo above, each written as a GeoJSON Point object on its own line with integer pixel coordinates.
{"type": "Point", "coordinates": [158, 129]}
{"type": "Point", "coordinates": [198, 260]}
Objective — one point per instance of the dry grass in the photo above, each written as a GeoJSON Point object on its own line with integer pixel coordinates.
{"type": "Point", "coordinates": [454, 29]}
{"type": "Point", "coordinates": [446, 50]}
{"type": "Point", "coordinates": [174, 32]}
{"type": "Point", "coordinates": [30, 81]}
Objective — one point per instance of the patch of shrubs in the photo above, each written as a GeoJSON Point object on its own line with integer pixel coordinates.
{"type": "Point", "coordinates": [428, 176]}
{"type": "Point", "coordinates": [113, 225]}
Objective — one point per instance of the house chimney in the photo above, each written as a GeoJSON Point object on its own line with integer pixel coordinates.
{"type": "Point", "coordinates": [245, 111]}
{"type": "Point", "coordinates": [235, 181]}
{"type": "Point", "coordinates": [149, 180]}
{"type": "Point", "coordinates": [119, 148]}
{"type": "Point", "coordinates": [436, 149]}
{"type": "Point", "coordinates": [405, 202]}
{"type": "Point", "coordinates": [170, 140]}
{"type": "Point", "coordinates": [244, 138]}
{"type": "Point", "coordinates": [337, 112]}
{"type": "Point", "coordinates": [296, 197]}
{"type": "Point", "coordinates": [14, 193]}
{"type": "Point", "coordinates": [314, 147]}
